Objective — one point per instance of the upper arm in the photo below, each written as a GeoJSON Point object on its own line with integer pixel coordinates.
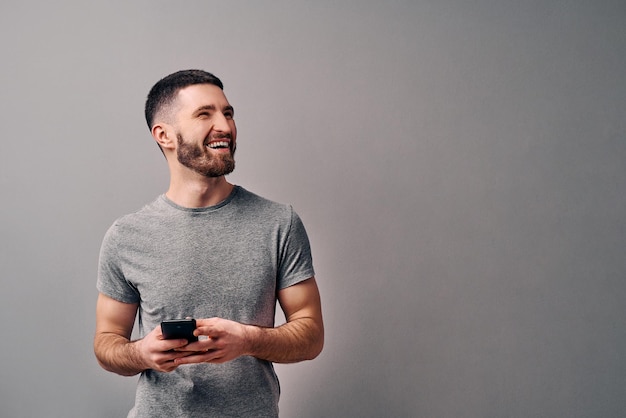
{"type": "Point", "coordinates": [113, 316]}
{"type": "Point", "coordinates": [302, 300]}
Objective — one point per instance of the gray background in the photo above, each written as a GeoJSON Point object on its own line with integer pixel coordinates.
{"type": "Point", "coordinates": [460, 167]}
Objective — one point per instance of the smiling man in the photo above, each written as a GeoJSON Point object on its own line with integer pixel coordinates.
{"type": "Point", "coordinates": [209, 250]}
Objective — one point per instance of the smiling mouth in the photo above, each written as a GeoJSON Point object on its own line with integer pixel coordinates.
{"type": "Point", "coordinates": [218, 144]}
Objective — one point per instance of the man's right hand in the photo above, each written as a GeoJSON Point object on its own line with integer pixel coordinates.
{"type": "Point", "coordinates": [158, 353]}
{"type": "Point", "coordinates": [116, 353]}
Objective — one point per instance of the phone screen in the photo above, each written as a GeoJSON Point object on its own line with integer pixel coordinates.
{"type": "Point", "coordinates": [179, 328]}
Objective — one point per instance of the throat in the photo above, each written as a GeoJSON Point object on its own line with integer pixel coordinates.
{"type": "Point", "coordinates": [198, 194]}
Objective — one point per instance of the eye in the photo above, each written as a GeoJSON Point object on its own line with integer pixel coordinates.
{"type": "Point", "coordinates": [229, 115]}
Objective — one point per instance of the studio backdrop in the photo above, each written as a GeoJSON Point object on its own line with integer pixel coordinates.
{"type": "Point", "coordinates": [460, 167]}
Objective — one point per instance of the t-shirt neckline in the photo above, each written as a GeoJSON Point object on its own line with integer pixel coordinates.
{"type": "Point", "coordinates": [223, 203]}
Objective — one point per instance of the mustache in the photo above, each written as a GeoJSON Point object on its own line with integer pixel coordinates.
{"type": "Point", "coordinates": [224, 135]}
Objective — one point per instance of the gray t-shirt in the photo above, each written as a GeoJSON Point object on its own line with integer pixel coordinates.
{"type": "Point", "coordinates": [226, 261]}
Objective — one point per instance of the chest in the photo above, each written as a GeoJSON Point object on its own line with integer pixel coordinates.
{"type": "Point", "coordinates": [206, 270]}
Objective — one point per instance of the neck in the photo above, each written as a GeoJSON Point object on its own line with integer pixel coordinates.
{"type": "Point", "coordinates": [199, 192]}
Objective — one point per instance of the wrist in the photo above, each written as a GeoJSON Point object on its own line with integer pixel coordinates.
{"type": "Point", "coordinates": [134, 352]}
{"type": "Point", "coordinates": [251, 335]}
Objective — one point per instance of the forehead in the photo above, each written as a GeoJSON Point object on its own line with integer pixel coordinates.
{"type": "Point", "coordinates": [192, 97]}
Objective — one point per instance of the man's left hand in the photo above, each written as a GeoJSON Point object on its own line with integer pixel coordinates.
{"type": "Point", "coordinates": [225, 341]}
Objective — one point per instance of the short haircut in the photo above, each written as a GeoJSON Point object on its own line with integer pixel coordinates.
{"type": "Point", "coordinates": [164, 92]}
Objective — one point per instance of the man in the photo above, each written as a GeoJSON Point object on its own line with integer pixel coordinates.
{"type": "Point", "coordinates": [209, 250]}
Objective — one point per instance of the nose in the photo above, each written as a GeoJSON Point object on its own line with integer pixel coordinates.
{"type": "Point", "coordinates": [221, 123]}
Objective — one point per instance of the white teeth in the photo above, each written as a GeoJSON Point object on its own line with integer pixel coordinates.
{"type": "Point", "coordinates": [219, 144]}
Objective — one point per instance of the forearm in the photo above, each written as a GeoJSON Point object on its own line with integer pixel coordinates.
{"type": "Point", "coordinates": [117, 354]}
{"type": "Point", "coordinates": [298, 340]}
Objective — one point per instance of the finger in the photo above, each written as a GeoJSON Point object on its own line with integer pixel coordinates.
{"type": "Point", "coordinates": [203, 344]}
{"type": "Point", "coordinates": [169, 360]}
{"type": "Point", "coordinates": [174, 344]}
{"type": "Point", "coordinates": [207, 326]}
{"type": "Point", "coordinates": [205, 321]}
{"type": "Point", "coordinates": [199, 357]}
{"type": "Point", "coordinates": [204, 331]}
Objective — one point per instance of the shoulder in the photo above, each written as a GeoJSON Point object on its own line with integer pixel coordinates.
{"type": "Point", "coordinates": [263, 211]}
{"type": "Point", "coordinates": [132, 223]}
{"type": "Point", "coordinates": [247, 199]}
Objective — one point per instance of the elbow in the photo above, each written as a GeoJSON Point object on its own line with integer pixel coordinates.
{"type": "Point", "coordinates": [119, 371]}
{"type": "Point", "coordinates": [315, 352]}
{"type": "Point", "coordinates": [103, 363]}
{"type": "Point", "coordinates": [98, 353]}
{"type": "Point", "coordinates": [316, 347]}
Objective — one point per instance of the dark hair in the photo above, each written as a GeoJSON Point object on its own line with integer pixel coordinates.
{"type": "Point", "coordinates": [165, 90]}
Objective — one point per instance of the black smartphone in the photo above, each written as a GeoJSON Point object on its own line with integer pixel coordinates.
{"type": "Point", "coordinates": [179, 328]}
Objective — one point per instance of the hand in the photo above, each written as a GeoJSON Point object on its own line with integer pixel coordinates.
{"type": "Point", "coordinates": [160, 354]}
{"type": "Point", "coordinates": [226, 340]}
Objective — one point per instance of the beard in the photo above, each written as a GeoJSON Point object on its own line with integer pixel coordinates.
{"type": "Point", "coordinates": [202, 161]}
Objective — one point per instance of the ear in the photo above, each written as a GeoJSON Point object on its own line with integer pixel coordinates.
{"type": "Point", "coordinates": [164, 135]}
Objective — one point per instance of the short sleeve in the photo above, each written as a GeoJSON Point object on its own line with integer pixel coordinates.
{"type": "Point", "coordinates": [296, 263]}
{"type": "Point", "coordinates": [111, 280]}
